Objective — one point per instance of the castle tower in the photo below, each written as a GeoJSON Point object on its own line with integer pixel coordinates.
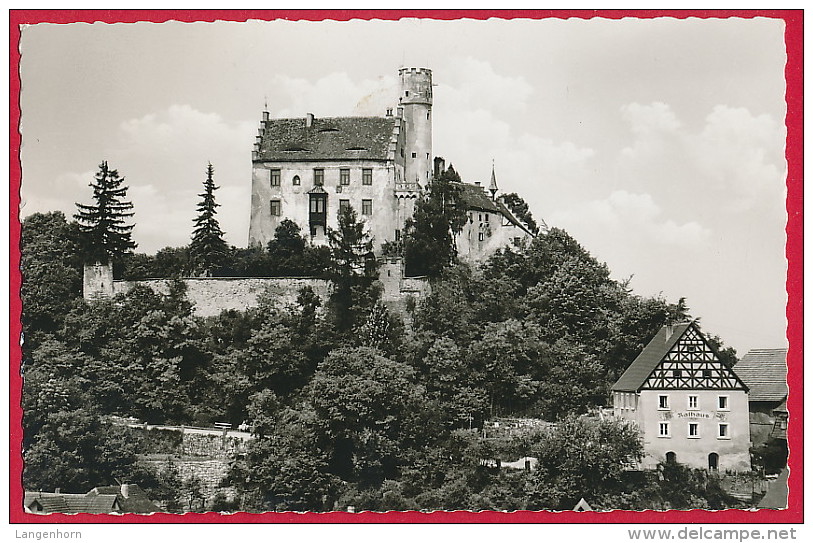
{"type": "Point", "coordinates": [416, 101]}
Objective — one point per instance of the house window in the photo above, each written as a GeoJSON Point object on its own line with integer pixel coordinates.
{"type": "Point", "coordinates": [343, 204]}
{"type": "Point", "coordinates": [694, 429]}
{"type": "Point", "coordinates": [367, 176]}
{"type": "Point", "coordinates": [276, 208]}
{"type": "Point", "coordinates": [722, 431]}
{"type": "Point", "coordinates": [344, 177]}
{"type": "Point", "coordinates": [692, 402]}
{"type": "Point", "coordinates": [318, 205]}
{"type": "Point", "coordinates": [318, 177]}
{"type": "Point", "coordinates": [722, 403]}
{"type": "Point", "coordinates": [676, 373]}
{"type": "Point", "coordinates": [707, 374]}
{"type": "Point", "coordinates": [663, 429]}
{"type": "Point", "coordinates": [663, 401]}
{"type": "Point", "coordinates": [366, 207]}
{"type": "Point", "coordinates": [296, 180]}
{"type": "Point", "coordinates": [397, 235]}
{"type": "Point", "coordinates": [275, 174]}
{"type": "Point", "coordinates": [414, 155]}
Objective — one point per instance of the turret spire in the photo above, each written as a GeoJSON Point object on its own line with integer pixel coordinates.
{"type": "Point", "coordinates": [492, 188]}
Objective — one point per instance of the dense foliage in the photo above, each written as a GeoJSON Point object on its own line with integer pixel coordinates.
{"type": "Point", "coordinates": [348, 405]}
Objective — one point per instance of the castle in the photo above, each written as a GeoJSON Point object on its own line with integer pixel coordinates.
{"type": "Point", "coordinates": [306, 169]}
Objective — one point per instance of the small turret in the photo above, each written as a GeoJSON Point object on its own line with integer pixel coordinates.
{"type": "Point", "coordinates": [492, 188]}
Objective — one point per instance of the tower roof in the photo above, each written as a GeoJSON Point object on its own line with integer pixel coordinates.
{"type": "Point", "coordinates": [493, 186]}
{"type": "Point", "coordinates": [331, 138]}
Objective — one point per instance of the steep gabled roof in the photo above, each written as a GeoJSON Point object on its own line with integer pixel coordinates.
{"type": "Point", "coordinates": [474, 197]}
{"type": "Point", "coordinates": [643, 365]}
{"type": "Point", "coordinates": [332, 138]}
{"type": "Point", "coordinates": [679, 358]}
{"type": "Point", "coordinates": [765, 371]}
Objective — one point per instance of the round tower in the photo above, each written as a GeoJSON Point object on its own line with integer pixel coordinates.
{"type": "Point", "coordinates": [416, 100]}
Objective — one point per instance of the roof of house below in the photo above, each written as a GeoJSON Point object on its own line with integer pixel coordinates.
{"type": "Point", "coordinates": [765, 371]}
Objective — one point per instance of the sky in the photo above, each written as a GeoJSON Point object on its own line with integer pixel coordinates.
{"type": "Point", "coordinates": [657, 143]}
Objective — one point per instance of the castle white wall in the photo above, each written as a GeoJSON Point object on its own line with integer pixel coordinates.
{"type": "Point", "coordinates": [496, 232]}
{"type": "Point", "coordinates": [295, 200]}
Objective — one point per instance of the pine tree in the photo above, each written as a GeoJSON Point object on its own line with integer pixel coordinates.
{"type": "Point", "coordinates": [208, 248]}
{"type": "Point", "coordinates": [104, 234]}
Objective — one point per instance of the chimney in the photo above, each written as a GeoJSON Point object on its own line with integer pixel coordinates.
{"type": "Point", "coordinates": [477, 183]}
{"type": "Point", "coordinates": [125, 491]}
{"type": "Point", "coordinates": [669, 331]}
{"type": "Point", "coordinates": [56, 490]}
{"type": "Point", "coordinates": [308, 120]}
{"type": "Point", "coordinates": [389, 112]}
{"type": "Point", "coordinates": [266, 115]}
{"type": "Point", "coordinates": [440, 165]}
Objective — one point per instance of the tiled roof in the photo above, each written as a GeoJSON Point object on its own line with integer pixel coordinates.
{"type": "Point", "coordinates": [765, 371]}
{"type": "Point", "coordinates": [136, 501]}
{"type": "Point", "coordinates": [333, 138]}
{"type": "Point", "coordinates": [476, 198]}
{"type": "Point", "coordinates": [72, 503]}
{"type": "Point", "coordinates": [637, 372]}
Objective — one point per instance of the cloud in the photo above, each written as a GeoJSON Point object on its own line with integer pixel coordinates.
{"type": "Point", "coordinates": [333, 95]}
{"type": "Point", "coordinates": [635, 218]}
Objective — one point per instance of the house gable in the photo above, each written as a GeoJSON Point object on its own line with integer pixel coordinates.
{"type": "Point", "coordinates": [692, 364]}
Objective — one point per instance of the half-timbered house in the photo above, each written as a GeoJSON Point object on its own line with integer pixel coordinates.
{"type": "Point", "coordinates": [689, 406]}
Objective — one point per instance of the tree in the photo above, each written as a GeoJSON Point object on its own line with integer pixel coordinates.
{"type": "Point", "coordinates": [429, 239]}
{"type": "Point", "coordinates": [519, 208]}
{"type": "Point", "coordinates": [104, 233]}
{"type": "Point", "coordinates": [52, 272]}
{"type": "Point", "coordinates": [208, 248]}
{"type": "Point", "coordinates": [354, 269]}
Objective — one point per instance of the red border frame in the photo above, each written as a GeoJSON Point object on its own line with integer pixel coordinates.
{"type": "Point", "coordinates": [794, 252]}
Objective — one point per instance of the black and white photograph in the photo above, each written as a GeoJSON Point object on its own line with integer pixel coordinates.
{"type": "Point", "coordinates": [404, 264]}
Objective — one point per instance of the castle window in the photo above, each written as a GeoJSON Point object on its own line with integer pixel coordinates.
{"type": "Point", "coordinates": [344, 177]}
{"type": "Point", "coordinates": [343, 204]}
{"type": "Point", "coordinates": [367, 176]}
{"type": "Point", "coordinates": [427, 115]}
{"type": "Point", "coordinates": [275, 178]}
{"type": "Point", "coordinates": [663, 401]}
{"type": "Point", "coordinates": [722, 431]}
{"type": "Point", "coordinates": [722, 403]}
{"type": "Point", "coordinates": [366, 207]}
{"type": "Point", "coordinates": [296, 180]}
{"type": "Point", "coordinates": [276, 208]}
{"type": "Point", "coordinates": [481, 236]}
{"type": "Point", "coordinates": [692, 402]}
{"type": "Point", "coordinates": [676, 373]}
{"type": "Point", "coordinates": [414, 155]}
{"type": "Point", "coordinates": [318, 177]}
{"type": "Point", "coordinates": [397, 235]}
{"type": "Point", "coordinates": [663, 429]}
{"type": "Point", "coordinates": [406, 93]}
{"type": "Point", "coordinates": [694, 429]}
{"type": "Point", "coordinates": [486, 217]}
{"type": "Point", "coordinates": [707, 374]}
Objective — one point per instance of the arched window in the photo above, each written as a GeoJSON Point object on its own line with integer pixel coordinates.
{"type": "Point", "coordinates": [671, 458]}
{"type": "Point", "coordinates": [296, 180]}
{"type": "Point", "coordinates": [714, 461]}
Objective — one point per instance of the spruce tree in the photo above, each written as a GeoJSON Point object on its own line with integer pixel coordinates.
{"type": "Point", "coordinates": [104, 234]}
{"type": "Point", "coordinates": [208, 248]}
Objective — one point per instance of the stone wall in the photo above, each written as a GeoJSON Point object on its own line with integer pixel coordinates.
{"type": "Point", "coordinates": [212, 295]}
